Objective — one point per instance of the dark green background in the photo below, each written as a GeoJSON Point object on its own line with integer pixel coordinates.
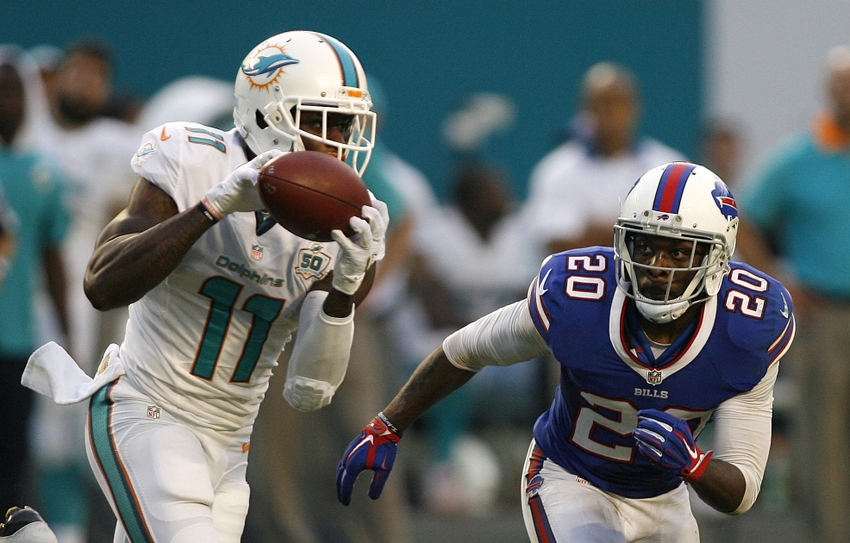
{"type": "Point", "coordinates": [429, 57]}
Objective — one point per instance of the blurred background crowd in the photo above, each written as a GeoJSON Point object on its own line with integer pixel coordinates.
{"type": "Point", "coordinates": [506, 132]}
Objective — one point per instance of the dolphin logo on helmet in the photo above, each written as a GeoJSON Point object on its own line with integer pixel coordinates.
{"type": "Point", "coordinates": [268, 66]}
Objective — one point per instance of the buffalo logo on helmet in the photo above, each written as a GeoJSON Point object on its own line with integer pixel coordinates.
{"type": "Point", "coordinates": [265, 67]}
{"type": "Point", "coordinates": [725, 201]}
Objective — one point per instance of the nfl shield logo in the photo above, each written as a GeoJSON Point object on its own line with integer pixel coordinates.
{"type": "Point", "coordinates": [257, 252]}
{"type": "Point", "coordinates": [653, 377]}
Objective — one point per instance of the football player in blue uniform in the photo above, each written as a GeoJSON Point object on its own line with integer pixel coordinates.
{"type": "Point", "coordinates": [655, 337]}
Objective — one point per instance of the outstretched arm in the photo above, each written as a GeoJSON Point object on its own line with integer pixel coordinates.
{"type": "Point", "coordinates": [375, 448]}
{"type": "Point", "coordinates": [434, 379]}
{"type": "Point", "coordinates": [506, 336]}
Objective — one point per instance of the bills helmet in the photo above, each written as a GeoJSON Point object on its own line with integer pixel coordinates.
{"type": "Point", "coordinates": [682, 201]}
{"type": "Point", "coordinates": [296, 72]}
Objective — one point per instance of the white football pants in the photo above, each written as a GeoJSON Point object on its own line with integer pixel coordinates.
{"type": "Point", "coordinates": [166, 482]}
{"type": "Point", "coordinates": [559, 507]}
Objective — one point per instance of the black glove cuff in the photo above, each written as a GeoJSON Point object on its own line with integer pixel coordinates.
{"type": "Point", "coordinates": [383, 418]}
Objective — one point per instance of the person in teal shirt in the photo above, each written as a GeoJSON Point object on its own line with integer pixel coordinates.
{"type": "Point", "coordinates": [799, 201]}
{"type": "Point", "coordinates": [36, 194]}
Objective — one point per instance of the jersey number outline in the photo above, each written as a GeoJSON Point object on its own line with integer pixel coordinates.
{"type": "Point", "coordinates": [583, 286]}
{"type": "Point", "coordinates": [742, 302]}
{"type": "Point", "coordinates": [588, 420]}
{"type": "Point", "coordinates": [223, 294]}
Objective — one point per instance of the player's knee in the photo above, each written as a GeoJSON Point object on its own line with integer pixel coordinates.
{"type": "Point", "coordinates": [305, 394]}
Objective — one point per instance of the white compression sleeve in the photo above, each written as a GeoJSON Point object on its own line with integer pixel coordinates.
{"type": "Point", "coordinates": [504, 337]}
{"type": "Point", "coordinates": [742, 434]}
{"type": "Point", "coordinates": [319, 357]}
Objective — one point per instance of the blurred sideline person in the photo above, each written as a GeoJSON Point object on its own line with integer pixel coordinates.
{"type": "Point", "coordinates": [92, 152]}
{"type": "Point", "coordinates": [721, 146]}
{"type": "Point", "coordinates": [35, 191]}
{"type": "Point", "coordinates": [575, 190]}
{"type": "Point", "coordinates": [48, 58]}
{"type": "Point", "coordinates": [486, 265]}
{"type": "Point", "coordinates": [216, 289]}
{"type": "Point", "coordinates": [199, 98]}
{"type": "Point", "coordinates": [655, 337]}
{"type": "Point", "coordinates": [434, 296]}
{"type": "Point", "coordinates": [798, 199]}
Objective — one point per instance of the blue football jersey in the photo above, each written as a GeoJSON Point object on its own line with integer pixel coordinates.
{"type": "Point", "coordinates": [609, 372]}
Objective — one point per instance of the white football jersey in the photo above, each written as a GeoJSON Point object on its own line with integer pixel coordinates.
{"type": "Point", "coordinates": [205, 340]}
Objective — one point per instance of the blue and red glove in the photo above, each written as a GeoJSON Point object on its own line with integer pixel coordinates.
{"type": "Point", "coordinates": [669, 443]}
{"type": "Point", "coordinates": [373, 449]}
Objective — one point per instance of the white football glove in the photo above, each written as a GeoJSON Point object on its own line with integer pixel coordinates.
{"type": "Point", "coordinates": [239, 191]}
{"type": "Point", "coordinates": [357, 253]}
{"type": "Point", "coordinates": [379, 226]}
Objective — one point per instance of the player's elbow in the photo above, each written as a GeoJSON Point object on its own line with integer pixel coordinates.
{"type": "Point", "coordinates": [104, 295]}
{"type": "Point", "coordinates": [97, 296]}
{"type": "Point", "coordinates": [747, 500]}
{"type": "Point", "coordinates": [305, 394]}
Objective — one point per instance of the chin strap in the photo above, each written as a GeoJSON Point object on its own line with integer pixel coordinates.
{"type": "Point", "coordinates": [661, 313]}
{"type": "Point", "coordinates": [664, 313]}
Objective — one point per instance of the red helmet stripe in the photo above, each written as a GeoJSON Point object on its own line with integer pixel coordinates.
{"type": "Point", "coordinates": [672, 186]}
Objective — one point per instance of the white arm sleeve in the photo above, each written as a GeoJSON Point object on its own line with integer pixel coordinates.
{"type": "Point", "coordinates": [504, 337]}
{"type": "Point", "coordinates": [319, 357]}
{"type": "Point", "coordinates": [743, 431]}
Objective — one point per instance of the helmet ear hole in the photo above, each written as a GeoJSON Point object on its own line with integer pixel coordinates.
{"type": "Point", "coordinates": [261, 121]}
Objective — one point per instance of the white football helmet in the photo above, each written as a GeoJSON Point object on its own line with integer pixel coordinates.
{"type": "Point", "coordinates": [678, 200]}
{"type": "Point", "coordinates": [300, 71]}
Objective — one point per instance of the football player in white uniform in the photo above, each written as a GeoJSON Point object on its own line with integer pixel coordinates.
{"type": "Point", "coordinates": [215, 290]}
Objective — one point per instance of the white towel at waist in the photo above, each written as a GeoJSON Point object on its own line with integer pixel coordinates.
{"type": "Point", "coordinates": [51, 371]}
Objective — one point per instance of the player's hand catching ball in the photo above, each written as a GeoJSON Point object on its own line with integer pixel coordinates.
{"type": "Point", "coordinates": [239, 191]}
{"type": "Point", "coordinates": [379, 230]}
{"type": "Point", "coordinates": [669, 443]}
{"type": "Point", "coordinates": [373, 449]}
{"type": "Point", "coordinates": [357, 253]}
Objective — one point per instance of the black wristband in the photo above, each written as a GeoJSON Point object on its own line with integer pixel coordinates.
{"type": "Point", "coordinates": [203, 209]}
{"type": "Point", "coordinates": [383, 418]}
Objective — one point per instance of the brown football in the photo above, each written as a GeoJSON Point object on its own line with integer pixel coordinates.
{"type": "Point", "coordinates": [311, 193]}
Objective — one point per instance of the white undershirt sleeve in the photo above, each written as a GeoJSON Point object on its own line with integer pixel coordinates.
{"type": "Point", "coordinates": [504, 337]}
{"type": "Point", "coordinates": [319, 357]}
{"type": "Point", "coordinates": [743, 432]}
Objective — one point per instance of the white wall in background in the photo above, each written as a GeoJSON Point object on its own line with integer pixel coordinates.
{"type": "Point", "coordinates": [765, 64]}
